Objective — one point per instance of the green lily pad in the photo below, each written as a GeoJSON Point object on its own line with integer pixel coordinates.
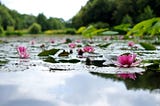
{"type": "Point", "coordinates": [98, 63]}
{"type": "Point", "coordinates": [104, 45]}
{"type": "Point", "coordinates": [110, 33]}
{"type": "Point", "coordinates": [151, 61]}
{"type": "Point", "coordinates": [147, 46]}
{"type": "Point", "coordinates": [2, 62]}
{"type": "Point", "coordinates": [48, 52]}
{"type": "Point", "coordinates": [51, 60]}
{"type": "Point", "coordinates": [70, 61]}
{"type": "Point", "coordinates": [68, 40]}
{"type": "Point", "coordinates": [64, 53]}
{"type": "Point", "coordinates": [79, 45]}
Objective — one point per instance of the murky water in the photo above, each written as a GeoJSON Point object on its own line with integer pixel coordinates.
{"type": "Point", "coordinates": [33, 82]}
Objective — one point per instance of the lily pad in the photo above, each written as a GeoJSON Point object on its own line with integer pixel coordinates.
{"type": "Point", "coordinates": [147, 46]}
{"type": "Point", "coordinates": [64, 53]}
{"type": "Point", "coordinates": [110, 33]}
{"type": "Point", "coordinates": [68, 40]}
{"type": "Point", "coordinates": [70, 61]}
{"type": "Point", "coordinates": [98, 63]}
{"type": "Point", "coordinates": [2, 62]}
{"type": "Point", "coordinates": [50, 59]}
{"type": "Point", "coordinates": [48, 52]}
{"type": "Point", "coordinates": [104, 45]}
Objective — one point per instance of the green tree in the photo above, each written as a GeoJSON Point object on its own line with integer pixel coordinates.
{"type": "Point", "coordinates": [35, 28]}
{"type": "Point", "coordinates": [5, 18]}
{"type": "Point", "coordinates": [27, 21]}
{"type": "Point", "coordinates": [42, 20]}
{"type": "Point", "coordinates": [147, 14]}
{"type": "Point", "coordinates": [127, 20]}
{"type": "Point", "coordinates": [1, 31]}
{"type": "Point", "coordinates": [93, 12]}
{"type": "Point", "coordinates": [55, 23]}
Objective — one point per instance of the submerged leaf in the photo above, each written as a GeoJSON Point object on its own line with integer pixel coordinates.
{"type": "Point", "coordinates": [48, 52]}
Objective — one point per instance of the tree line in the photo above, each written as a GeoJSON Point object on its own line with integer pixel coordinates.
{"type": "Point", "coordinates": [114, 12]}
{"type": "Point", "coordinates": [11, 18]}
{"type": "Point", "coordinates": [99, 13]}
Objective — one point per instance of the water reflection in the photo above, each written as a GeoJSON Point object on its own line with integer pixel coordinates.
{"type": "Point", "coordinates": [150, 80]}
{"type": "Point", "coordinates": [68, 88]}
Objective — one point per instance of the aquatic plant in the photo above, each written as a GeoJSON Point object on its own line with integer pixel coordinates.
{"type": "Point", "coordinates": [88, 49]}
{"type": "Point", "coordinates": [146, 27]}
{"type": "Point", "coordinates": [52, 41]}
{"type": "Point", "coordinates": [32, 42]}
{"type": "Point", "coordinates": [131, 43]}
{"type": "Point", "coordinates": [22, 51]}
{"type": "Point", "coordinates": [72, 45]}
{"type": "Point", "coordinates": [127, 60]}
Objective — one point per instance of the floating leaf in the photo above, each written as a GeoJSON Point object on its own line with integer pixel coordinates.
{"type": "Point", "coordinates": [64, 53]}
{"type": "Point", "coordinates": [48, 52]}
{"type": "Point", "coordinates": [147, 46]}
{"type": "Point", "coordinates": [51, 60]}
{"type": "Point", "coordinates": [110, 33]}
{"type": "Point", "coordinates": [98, 63]}
{"type": "Point", "coordinates": [70, 61]}
{"type": "Point", "coordinates": [68, 40]}
{"type": "Point", "coordinates": [104, 45]}
{"type": "Point", "coordinates": [2, 62]}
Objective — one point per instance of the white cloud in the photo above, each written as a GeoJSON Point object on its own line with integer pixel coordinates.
{"type": "Point", "coordinates": [65, 9]}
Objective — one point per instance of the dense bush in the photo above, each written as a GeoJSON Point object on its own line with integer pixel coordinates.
{"type": "Point", "coordinates": [100, 25]}
{"type": "Point", "coordinates": [34, 28]}
{"type": "Point", "coordinates": [71, 31]}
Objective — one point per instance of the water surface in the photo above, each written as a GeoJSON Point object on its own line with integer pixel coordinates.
{"type": "Point", "coordinates": [30, 82]}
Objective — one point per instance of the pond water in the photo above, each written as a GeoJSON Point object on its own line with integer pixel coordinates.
{"type": "Point", "coordinates": [35, 82]}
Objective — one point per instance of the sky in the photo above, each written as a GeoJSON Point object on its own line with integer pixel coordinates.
{"type": "Point", "coordinates": [65, 9]}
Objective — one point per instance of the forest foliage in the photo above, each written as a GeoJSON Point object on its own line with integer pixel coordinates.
{"type": "Point", "coordinates": [116, 12]}
{"type": "Point", "coordinates": [97, 16]}
{"type": "Point", "coordinates": [11, 18]}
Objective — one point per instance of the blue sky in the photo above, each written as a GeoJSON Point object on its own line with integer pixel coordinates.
{"type": "Point", "coordinates": [65, 9]}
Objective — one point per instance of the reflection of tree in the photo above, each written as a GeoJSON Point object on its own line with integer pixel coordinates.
{"type": "Point", "coordinates": [150, 80]}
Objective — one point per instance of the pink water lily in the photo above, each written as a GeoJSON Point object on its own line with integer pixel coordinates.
{"type": "Point", "coordinates": [72, 45]}
{"type": "Point", "coordinates": [131, 43]}
{"type": "Point", "coordinates": [22, 51]}
{"type": "Point", "coordinates": [127, 75]}
{"type": "Point", "coordinates": [32, 42]}
{"type": "Point", "coordinates": [78, 41]}
{"type": "Point", "coordinates": [52, 41]}
{"type": "Point", "coordinates": [127, 60]}
{"type": "Point", "coordinates": [88, 49]}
